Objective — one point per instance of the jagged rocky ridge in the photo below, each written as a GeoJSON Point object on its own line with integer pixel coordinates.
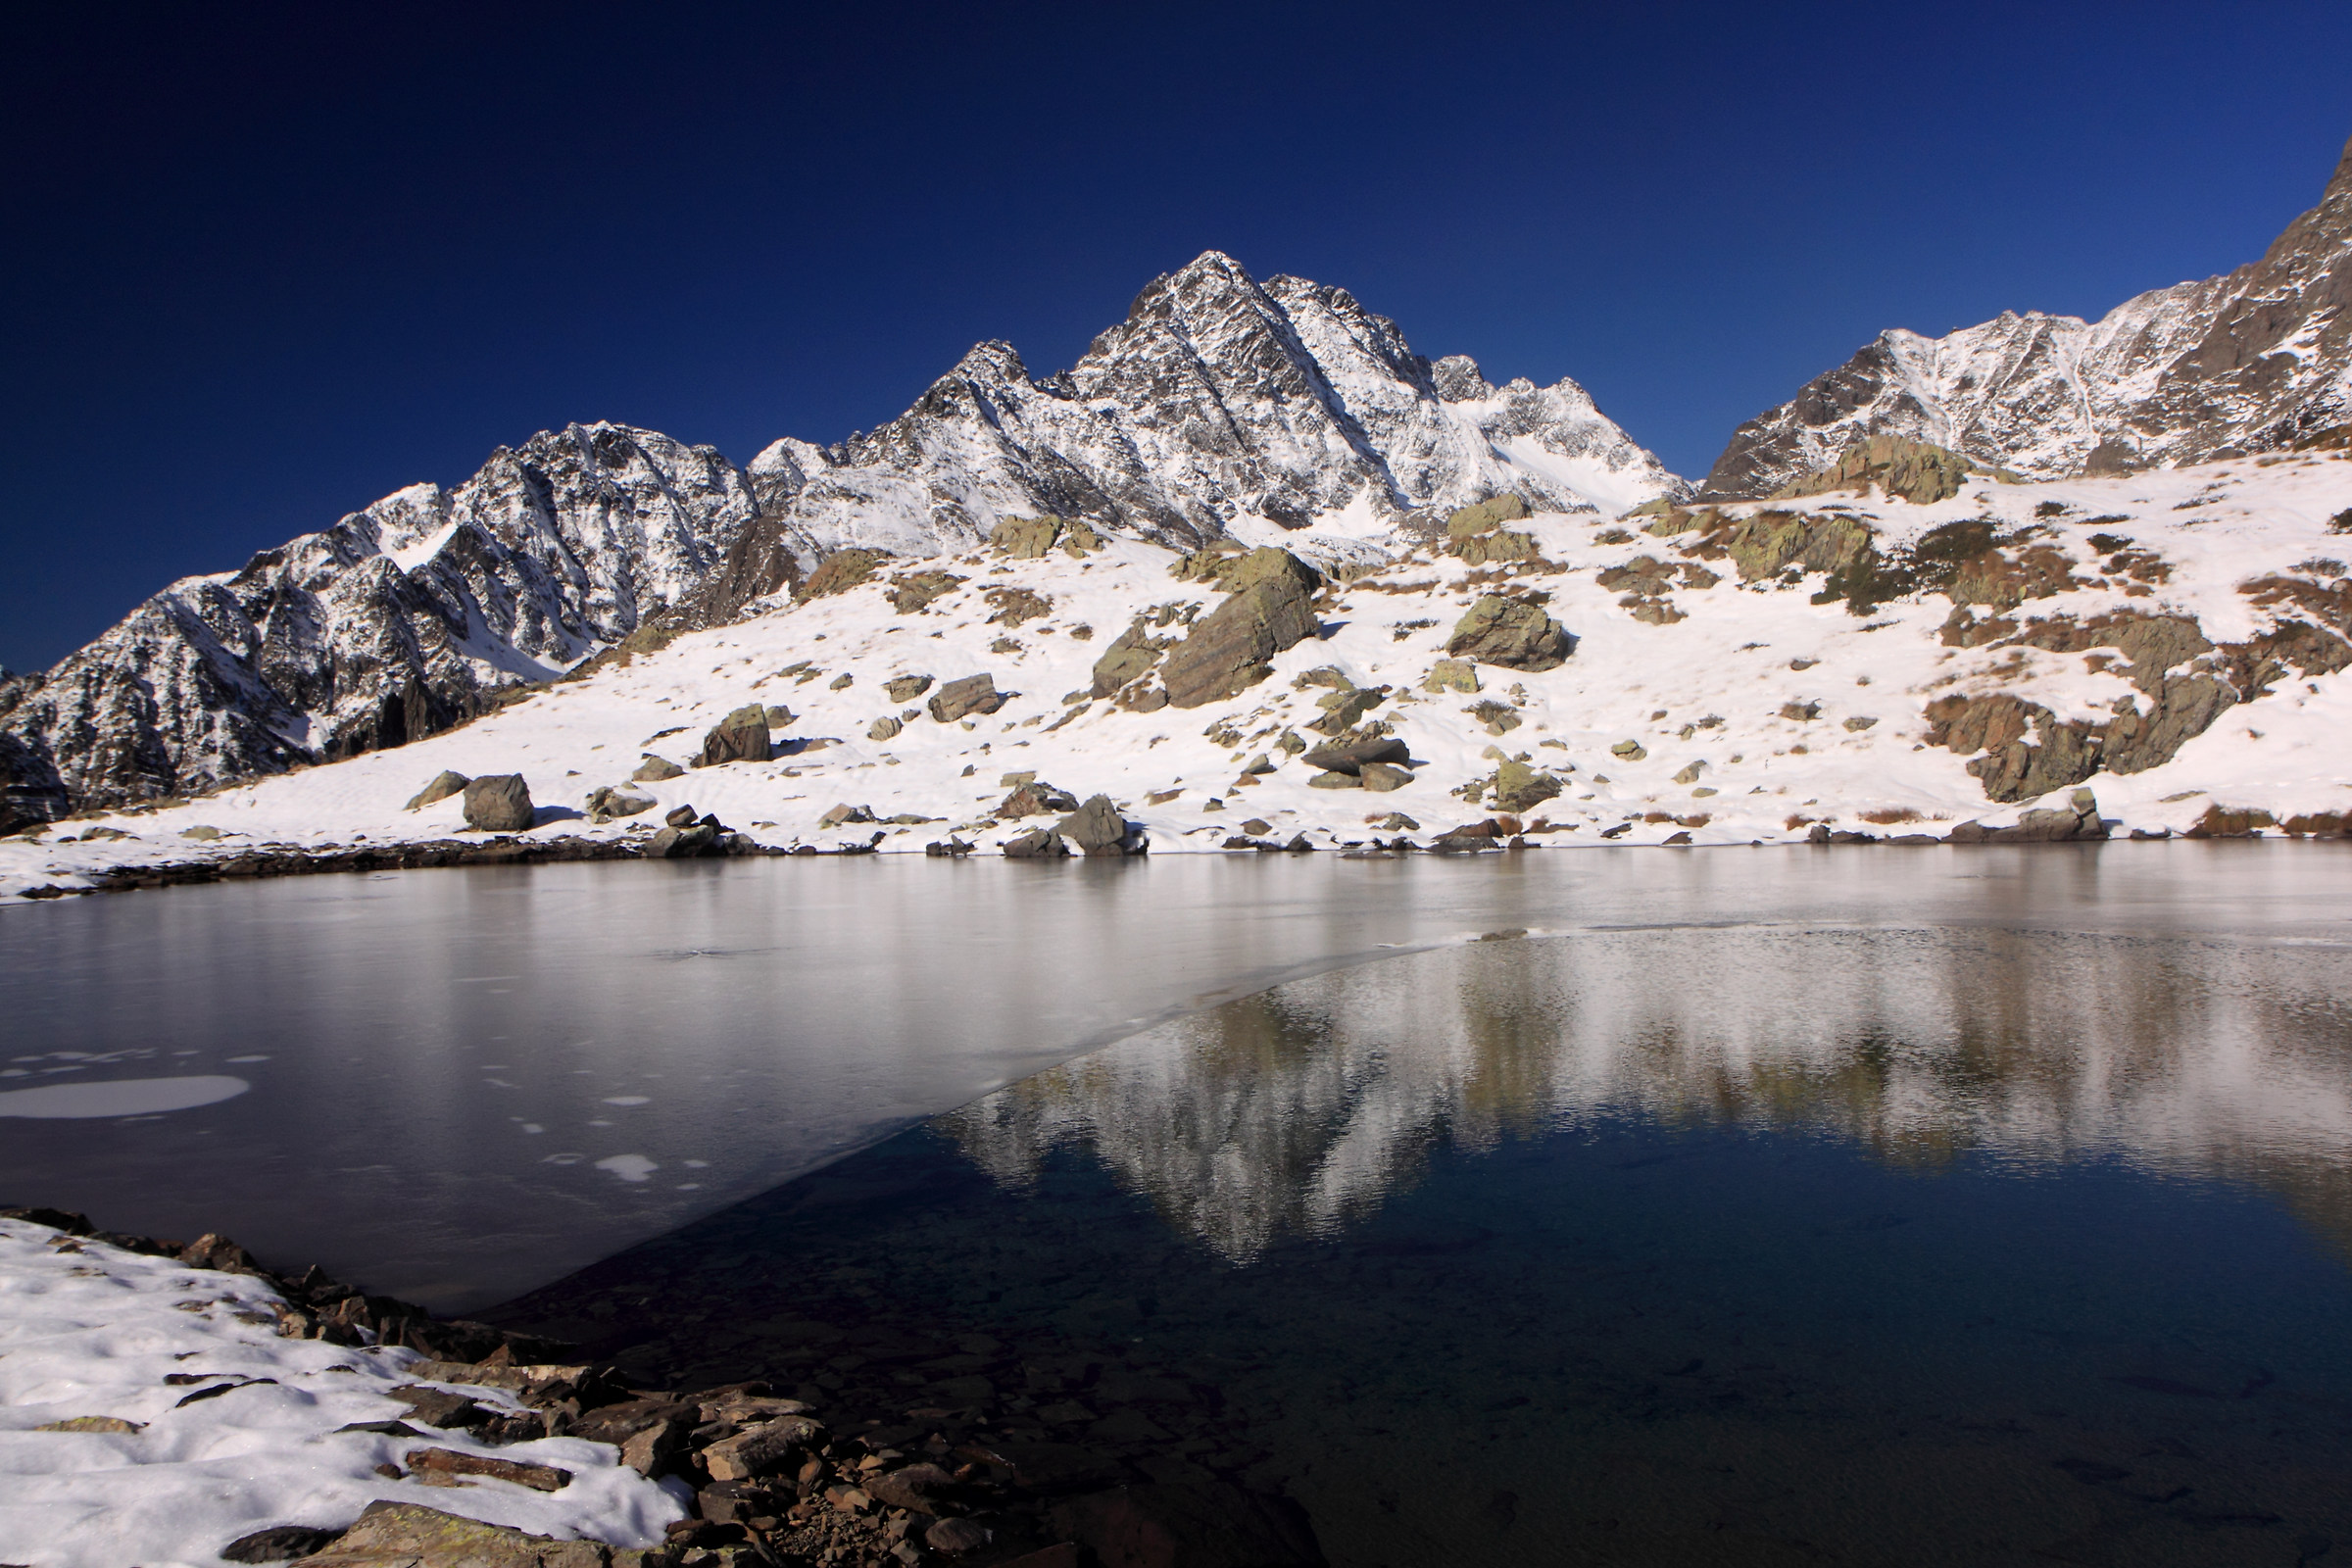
{"type": "Point", "coordinates": [2259, 360]}
{"type": "Point", "coordinates": [1222, 406]}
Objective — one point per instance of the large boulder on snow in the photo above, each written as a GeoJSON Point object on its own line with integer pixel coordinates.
{"type": "Point", "coordinates": [974, 694]}
{"type": "Point", "coordinates": [1514, 633]}
{"type": "Point", "coordinates": [500, 803]}
{"type": "Point", "coordinates": [1225, 654]}
{"type": "Point", "coordinates": [740, 737]}
{"type": "Point", "coordinates": [443, 785]}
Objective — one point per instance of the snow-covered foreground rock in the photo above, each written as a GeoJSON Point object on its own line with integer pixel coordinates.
{"type": "Point", "coordinates": [2173, 640]}
{"type": "Point", "coordinates": [151, 1413]}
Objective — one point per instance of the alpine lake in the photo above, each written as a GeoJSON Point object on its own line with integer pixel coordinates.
{"type": "Point", "coordinates": [1951, 1205]}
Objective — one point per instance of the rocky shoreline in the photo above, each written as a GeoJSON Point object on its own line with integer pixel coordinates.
{"type": "Point", "coordinates": [705, 838]}
{"type": "Point", "coordinates": [873, 1444]}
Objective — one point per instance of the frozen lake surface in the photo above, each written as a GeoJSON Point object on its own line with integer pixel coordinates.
{"type": "Point", "coordinates": [454, 1086]}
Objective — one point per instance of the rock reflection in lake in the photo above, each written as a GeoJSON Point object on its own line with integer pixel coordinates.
{"type": "Point", "coordinates": [1301, 1109]}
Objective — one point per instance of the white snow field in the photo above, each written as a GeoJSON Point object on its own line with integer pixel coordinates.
{"type": "Point", "coordinates": [91, 1331]}
{"type": "Point", "coordinates": [1715, 692]}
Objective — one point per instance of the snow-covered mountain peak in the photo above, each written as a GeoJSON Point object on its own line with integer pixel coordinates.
{"type": "Point", "coordinates": [1221, 407]}
{"type": "Point", "coordinates": [2256, 359]}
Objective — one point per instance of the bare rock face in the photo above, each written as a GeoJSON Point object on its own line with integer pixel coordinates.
{"type": "Point", "coordinates": [1225, 653]}
{"type": "Point", "coordinates": [30, 790]}
{"type": "Point", "coordinates": [1511, 632]}
{"type": "Point", "coordinates": [2257, 360]}
{"type": "Point", "coordinates": [500, 803]}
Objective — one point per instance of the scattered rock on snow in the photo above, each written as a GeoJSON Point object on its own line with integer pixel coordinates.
{"type": "Point", "coordinates": [1226, 650]}
{"type": "Point", "coordinates": [500, 803]}
{"type": "Point", "coordinates": [1451, 674]}
{"type": "Point", "coordinates": [443, 785]}
{"type": "Point", "coordinates": [740, 737]}
{"type": "Point", "coordinates": [604, 802]}
{"type": "Point", "coordinates": [974, 694]}
{"type": "Point", "coordinates": [1514, 633]}
{"type": "Point", "coordinates": [654, 770]}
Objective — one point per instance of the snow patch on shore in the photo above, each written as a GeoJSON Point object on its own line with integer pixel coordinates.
{"type": "Point", "coordinates": [89, 1330]}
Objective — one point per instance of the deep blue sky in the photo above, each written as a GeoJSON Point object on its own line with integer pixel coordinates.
{"type": "Point", "coordinates": [263, 265]}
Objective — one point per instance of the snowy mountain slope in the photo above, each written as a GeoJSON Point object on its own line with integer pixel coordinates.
{"type": "Point", "coordinates": [2257, 360]}
{"type": "Point", "coordinates": [1217, 402]}
{"type": "Point", "coordinates": [2176, 640]}
{"type": "Point", "coordinates": [1220, 406]}
{"type": "Point", "coordinates": [396, 622]}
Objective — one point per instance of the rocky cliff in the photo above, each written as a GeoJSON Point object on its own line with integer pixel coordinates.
{"type": "Point", "coordinates": [1221, 407]}
{"type": "Point", "coordinates": [2259, 360]}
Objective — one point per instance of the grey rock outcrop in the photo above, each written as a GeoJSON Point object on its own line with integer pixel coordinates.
{"type": "Point", "coordinates": [1520, 788]}
{"type": "Point", "coordinates": [2256, 359]}
{"type": "Point", "coordinates": [445, 784]}
{"type": "Point", "coordinates": [1039, 844]}
{"type": "Point", "coordinates": [958, 698]}
{"type": "Point", "coordinates": [2077, 820]}
{"type": "Point", "coordinates": [1131, 655]}
{"type": "Point", "coordinates": [1225, 653]}
{"type": "Point", "coordinates": [1096, 828]}
{"type": "Point", "coordinates": [1354, 755]}
{"type": "Point", "coordinates": [654, 770]}
{"type": "Point", "coordinates": [605, 803]}
{"type": "Point", "coordinates": [499, 802]}
{"type": "Point", "coordinates": [1514, 633]}
{"type": "Point", "coordinates": [740, 737]}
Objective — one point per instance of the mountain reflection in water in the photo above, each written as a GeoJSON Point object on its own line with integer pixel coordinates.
{"type": "Point", "coordinates": [1301, 1110]}
{"type": "Point", "coordinates": [1950, 1244]}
